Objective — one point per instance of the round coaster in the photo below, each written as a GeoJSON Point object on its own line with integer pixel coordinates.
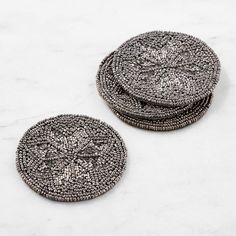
{"type": "Point", "coordinates": [186, 118]}
{"type": "Point", "coordinates": [166, 68]}
{"type": "Point", "coordinates": [71, 158]}
{"type": "Point", "coordinates": [121, 101]}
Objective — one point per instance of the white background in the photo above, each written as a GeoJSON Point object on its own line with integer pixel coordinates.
{"type": "Point", "coordinates": [178, 183]}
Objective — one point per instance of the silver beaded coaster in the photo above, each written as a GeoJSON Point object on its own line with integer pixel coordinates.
{"type": "Point", "coordinates": [166, 68]}
{"type": "Point", "coordinates": [184, 119]}
{"type": "Point", "coordinates": [71, 158]}
{"type": "Point", "coordinates": [121, 101]}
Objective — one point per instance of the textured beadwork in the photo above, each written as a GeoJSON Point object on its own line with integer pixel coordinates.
{"type": "Point", "coordinates": [186, 118]}
{"type": "Point", "coordinates": [166, 68]}
{"type": "Point", "coordinates": [121, 101]}
{"type": "Point", "coordinates": [71, 158]}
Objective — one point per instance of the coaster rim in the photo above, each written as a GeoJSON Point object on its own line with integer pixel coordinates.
{"type": "Point", "coordinates": [180, 122]}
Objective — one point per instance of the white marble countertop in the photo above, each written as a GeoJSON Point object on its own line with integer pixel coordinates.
{"type": "Point", "coordinates": [176, 183]}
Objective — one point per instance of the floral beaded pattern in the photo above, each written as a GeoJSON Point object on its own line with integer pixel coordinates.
{"type": "Point", "coordinates": [71, 158]}
{"type": "Point", "coordinates": [120, 100]}
{"type": "Point", "coordinates": [166, 68]}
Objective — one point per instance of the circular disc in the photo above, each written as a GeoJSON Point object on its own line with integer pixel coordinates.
{"type": "Point", "coordinates": [186, 118]}
{"type": "Point", "coordinates": [166, 68]}
{"type": "Point", "coordinates": [121, 101]}
{"type": "Point", "coordinates": [71, 158]}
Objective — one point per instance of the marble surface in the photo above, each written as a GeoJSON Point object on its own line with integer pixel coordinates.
{"type": "Point", "coordinates": [177, 183]}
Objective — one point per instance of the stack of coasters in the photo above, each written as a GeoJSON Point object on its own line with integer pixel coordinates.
{"type": "Point", "coordinates": [159, 80]}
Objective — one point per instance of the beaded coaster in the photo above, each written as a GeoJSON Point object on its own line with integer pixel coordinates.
{"type": "Point", "coordinates": [116, 97]}
{"type": "Point", "coordinates": [71, 158]}
{"type": "Point", "coordinates": [186, 118]}
{"type": "Point", "coordinates": [166, 68]}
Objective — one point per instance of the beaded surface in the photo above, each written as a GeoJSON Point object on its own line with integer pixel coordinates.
{"type": "Point", "coordinates": [71, 158]}
{"type": "Point", "coordinates": [186, 118]}
{"type": "Point", "coordinates": [121, 101]}
{"type": "Point", "coordinates": [166, 68]}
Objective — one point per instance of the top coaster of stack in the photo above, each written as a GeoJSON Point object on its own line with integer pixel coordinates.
{"type": "Point", "coordinates": [166, 68]}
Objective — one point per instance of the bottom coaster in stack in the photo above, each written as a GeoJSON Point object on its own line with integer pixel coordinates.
{"type": "Point", "coordinates": [188, 117]}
